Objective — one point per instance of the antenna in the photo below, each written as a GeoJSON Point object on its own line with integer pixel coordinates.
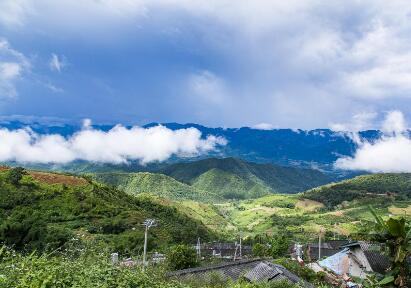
{"type": "Point", "coordinates": [148, 223]}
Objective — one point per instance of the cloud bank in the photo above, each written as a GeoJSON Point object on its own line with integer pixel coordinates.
{"type": "Point", "coordinates": [119, 145]}
{"type": "Point", "coordinates": [392, 153]}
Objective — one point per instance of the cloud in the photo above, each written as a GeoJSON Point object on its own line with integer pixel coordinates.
{"type": "Point", "coordinates": [57, 63]}
{"type": "Point", "coordinates": [392, 153]}
{"type": "Point", "coordinates": [12, 65]}
{"type": "Point", "coordinates": [13, 12]}
{"type": "Point", "coordinates": [207, 87]}
{"type": "Point", "coordinates": [118, 145]}
{"type": "Point", "coordinates": [359, 122]}
{"type": "Point", "coordinates": [263, 126]}
{"type": "Point", "coordinates": [300, 64]}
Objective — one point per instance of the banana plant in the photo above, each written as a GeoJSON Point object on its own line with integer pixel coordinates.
{"type": "Point", "coordinates": [395, 234]}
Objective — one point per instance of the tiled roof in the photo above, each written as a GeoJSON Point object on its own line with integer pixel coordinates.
{"type": "Point", "coordinates": [378, 262]}
{"type": "Point", "coordinates": [261, 273]}
{"type": "Point", "coordinates": [255, 270]}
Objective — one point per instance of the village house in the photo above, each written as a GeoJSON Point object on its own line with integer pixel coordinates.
{"type": "Point", "coordinates": [357, 259]}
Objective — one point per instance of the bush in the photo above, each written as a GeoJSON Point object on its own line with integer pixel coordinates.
{"type": "Point", "coordinates": [261, 250]}
{"type": "Point", "coordinates": [15, 175]}
{"type": "Point", "coordinates": [181, 257]}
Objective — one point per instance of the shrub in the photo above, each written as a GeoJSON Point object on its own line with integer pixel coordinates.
{"type": "Point", "coordinates": [181, 257]}
{"type": "Point", "coordinates": [15, 175]}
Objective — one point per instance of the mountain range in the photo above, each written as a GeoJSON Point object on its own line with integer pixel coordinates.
{"type": "Point", "coordinates": [318, 148]}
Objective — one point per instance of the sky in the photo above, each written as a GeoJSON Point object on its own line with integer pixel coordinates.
{"type": "Point", "coordinates": [267, 64]}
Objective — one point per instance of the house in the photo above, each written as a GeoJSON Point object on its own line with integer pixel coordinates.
{"type": "Point", "coordinates": [310, 251]}
{"type": "Point", "coordinates": [225, 250]}
{"type": "Point", "coordinates": [255, 270]}
{"type": "Point", "coordinates": [357, 259]}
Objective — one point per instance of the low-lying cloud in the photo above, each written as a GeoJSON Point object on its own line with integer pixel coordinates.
{"type": "Point", "coordinates": [392, 153]}
{"type": "Point", "coordinates": [118, 145]}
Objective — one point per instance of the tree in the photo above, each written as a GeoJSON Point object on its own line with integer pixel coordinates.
{"type": "Point", "coordinates": [182, 257]}
{"type": "Point", "coordinates": [16, 174]}
{"type": "Point", "coordinates": [279, 244]}
{"type": "Point", "coordinates": [261, 250]}
{"type": "Point", "coordinates": [396, 236]}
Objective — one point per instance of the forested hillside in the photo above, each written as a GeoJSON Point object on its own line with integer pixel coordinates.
{"type": "Point", "coordinates": [153, 183]}
{"type": "Point", "coordinates": [235, 178]}
{"type": "Point", "coordinates": [43, 210]}
{"type": "Point", "coordinates": [396, 186]}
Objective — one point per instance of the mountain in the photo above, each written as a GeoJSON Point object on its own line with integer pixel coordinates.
{"type": "Point", "coordinates": [153, 183]}
{"type": "Point", "coordinates": [40, 210]}
{"type": "Point", "coordinates": [235, 178]}
{"type": "Point", "coordinates": [388, 186]}
{"type": "Point", "coordinates": [318, 148]}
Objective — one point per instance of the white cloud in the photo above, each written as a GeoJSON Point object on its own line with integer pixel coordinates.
{"type": "Point", "coordinates": [207, 87]}
{"type": "Point", "coordinates": [394, 123]}
{"type": "Point", "coordinates": [392, 153]}
{"type": "Point", "coordinates": [115, 146]}
{"type": "Point", "coordinates": [359, 122]}
{"type": "Point", "coordinates": [293, 63]}
{"type": "Point", "coordinates": [57, 63]}
{"type": "Point", "coordinates": [12, 65]}
{"type": "Point", "coordinates": [13, 12]}
{"type": "Point", "coordinates": [263, 126]}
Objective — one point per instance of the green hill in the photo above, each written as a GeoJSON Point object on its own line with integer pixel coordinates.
{"type": "Point", "coordinates": [235, 178]}
{"type": "Point", "coordinates": [389, 185]}
{"type": "Point", "coordinates": [46, 210]}
{"type": "Point", "coordinates": [158, 184]}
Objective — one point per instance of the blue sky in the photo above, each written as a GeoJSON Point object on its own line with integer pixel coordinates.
{"type": "Point", "coordinates": [298, 64]}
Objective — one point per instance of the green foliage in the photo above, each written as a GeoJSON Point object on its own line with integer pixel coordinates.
{"type": "Point", "coordinates": [181, 257]}
{"type": "Point", "coordinates": [233, 178]}
{"type": "Point", "coordinates": [302, 271]}
{"type": "Point", "coordinates": [89, 269]}
{"type": "Point", "coordinates": [39, 216]}
{"type": "Point", "coordinates": [272, 246]}
{"type": "Point", "coordinates": [395, 234]}
{"type": "Point", "coordinates": [92, 268]}
{"type": "Point", "coordinates": [157, 184]}
{"type": "Point", "coordinates": [15, 175]}
{"type": "Point", "coordinates": [261, 250]}
{"type": "Point", "coordinates": [279, 244]}
{"type": "Point", "coordinates": [389, 186]}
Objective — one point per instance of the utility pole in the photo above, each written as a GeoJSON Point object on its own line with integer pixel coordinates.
{"type": "Point", "coordinates": [198, 248]}
{"type": "Point", "coordinates": [148, 223]}
{"type": "Point", "coordinates": [319, 242]}
{"type": "Point", "coordinates": [235, 252]}
{"type": "Point", "coordinates": [241, 255]}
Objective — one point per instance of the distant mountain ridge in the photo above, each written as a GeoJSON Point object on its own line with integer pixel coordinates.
{"type": "Point", "coordinates": [318, 148]}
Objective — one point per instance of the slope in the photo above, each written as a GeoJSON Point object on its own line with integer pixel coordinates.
{"type": "Point", "coordinates": [46, 210]}
{"type": "Point", "coordinates": [235, 178]}
{"type": "Point", "coordinates": [153, 183]}
{"type": "Point", "coordinates": [388, 185]}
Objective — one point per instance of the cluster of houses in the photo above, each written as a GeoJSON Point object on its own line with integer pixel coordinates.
{"type": "Point", "coordinates": [341, 261]}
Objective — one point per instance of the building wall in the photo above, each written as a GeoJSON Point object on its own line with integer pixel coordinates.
{"type": "Point", "coordinates": [356, 269]}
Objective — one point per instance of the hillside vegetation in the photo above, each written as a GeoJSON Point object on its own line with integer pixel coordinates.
{"type": "Point", "coordinates": [233, 178]}
{"type": "Point", "coordinates": [153, 183]}
{"type": "Point", "coordinates": [44, 210]}
{"type": "Point", "coordinates": [396, 186]}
